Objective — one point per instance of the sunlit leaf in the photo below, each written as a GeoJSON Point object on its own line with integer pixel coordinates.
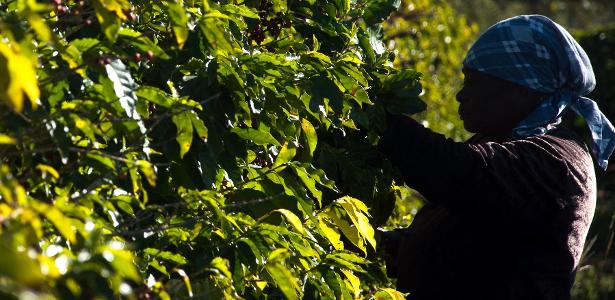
{"type": "Point", "coordinates": [166, 255]}
{"type": "Point", "coordinates": [6, 140]}
{"type": "Point", "coordinates": [285, 155]}
{"type": "Point", "coordinates": [310, 135]}
{"type": "Point", "coordinates": [257, 136]}
{"type": "Point", "coordinates": [17, 76]}
{"type": "Point", "coordinates": [285, 280]}
{"type": "Point", "coordinates": [292, 219]}
{"type": "Point", "coordinates": [179, 20]}
{"type": "Point", "coordinates": [46, 169]}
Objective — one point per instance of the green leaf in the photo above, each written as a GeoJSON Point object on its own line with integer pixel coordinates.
{"type": "Point", "coordinates": [309, 183]}
{"type": "Point", "coordinates": [292, 219]}
{"type": "Point", "coordinates": [222, 265]}
{"type": "Point", "coordinates": [347, 260]}
{"type": "Point", "coordinates": [349, 232]}
{"type": "Point", "coordinates": [166, 255]}
{"type": "Point", "coordinates": [148, 170]}
{"type": "Point", "coordinates": [179, 21]}
{"type": "Point", "coordinates": [240, 10]}
{"type": "Point", "coordinates": [279, 6]}
{"type": "Point", "coordinates": [6, 140]}
{"type": "Point", "coordinates": [285, 155]}
{"type": "Point", "coordinates": [186, 279]}
{"type": "Point", "coordinates": [141, 42]}
{"type": "Point", "coordinates": [310, 135]}
{"type": "Point", "coordinates": [12, 266]}
{"type": "Point", "coordinates": [183, 124]}
{"type": "Point", "coordinates": [366, 47]}
{"type": "Point", "coordinates": [18, 76]}
{"type": "Point", "coordinates": [259, 137]}
{"type": "Point", "coordinates": [58, 219]}
{"type": "Point", "coordinates": [46, 169]}
{"type": "Point", "coordinates": [378, 10]}
{"type": "Point", "coordinates": [330, 233]}
{"type": "Point", "coordinates": [361, 96]}
{"type": "Point", "coordinates": [101, 161]}
{"type": "Point", "coordinates": [84, 44]}
{"type": "Point", "coordinates": [389, 294]}
{"type": "Point", "coordinates": [85, 126]}
{"type": "Point", "coordinates": [334, 280]}
{"type": "Point", "coordinates": [353, 281]}
{"type": "Point", "coordinates": [284, 279]}
{"type": "Point", "coordinates": [214, 32]}
{"type": "Point", "coordinates": [155, 95]}
{"type": "Point", "coordinates": [357, 211]}
{"type": "Point", "coordinates": [198, 125]}
{"type": "Point", "coordinates": [397, 105]}
{"type": "Point", "coordinates": [109, 14]}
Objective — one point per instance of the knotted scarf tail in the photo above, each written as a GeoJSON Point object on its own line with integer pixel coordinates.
{"type": "Point", "coordinates": [602, 131]}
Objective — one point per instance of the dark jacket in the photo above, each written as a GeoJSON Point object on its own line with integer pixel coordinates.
{"type": "Point", "coordinates": [503, 220]}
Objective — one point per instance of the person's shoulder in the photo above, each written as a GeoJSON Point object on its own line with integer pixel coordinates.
{"type": "Point", "coordinates": [568, 148]}
{"type": "Point", "coordinates": [567, 141]}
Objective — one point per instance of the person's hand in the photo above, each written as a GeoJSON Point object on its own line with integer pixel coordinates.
{"type": "Point", "coordinates": [388, 247]}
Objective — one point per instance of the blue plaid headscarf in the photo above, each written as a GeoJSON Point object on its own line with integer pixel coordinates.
{"type": "Point", "coordinates": [535, 52]}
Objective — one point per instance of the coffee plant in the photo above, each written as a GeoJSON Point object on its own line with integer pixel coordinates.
{"type": "Point", "coordinates": [205, 149]}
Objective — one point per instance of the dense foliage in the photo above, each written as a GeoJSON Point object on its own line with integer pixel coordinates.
{"type": "Point", "coordinates": [430, 37]}
{"type": "Point", "coordinates": [218, 149]}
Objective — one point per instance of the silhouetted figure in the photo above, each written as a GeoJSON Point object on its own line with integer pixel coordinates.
{"type": "Point", "coordinates": [508, 210]}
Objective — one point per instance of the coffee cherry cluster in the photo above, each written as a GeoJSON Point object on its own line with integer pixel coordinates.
{"type": "Point", "coordinates": [261, 162]}
{"type": "Point", "coordinates": [272, 25]}
{"type": "Point", "coordinates": [137, 56]}
{"type": "Point", "coordinates": [74, 15]}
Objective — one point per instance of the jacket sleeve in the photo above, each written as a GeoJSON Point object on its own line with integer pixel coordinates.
{"type": "Point", "coordinates": [510, 174]}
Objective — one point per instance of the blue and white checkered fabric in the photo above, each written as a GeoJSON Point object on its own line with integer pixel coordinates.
{"type": "Point", "coordinates": [534, 51]}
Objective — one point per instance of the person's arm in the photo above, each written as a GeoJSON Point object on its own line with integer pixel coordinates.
{"type": "Point", "coordinates": [447, 171]}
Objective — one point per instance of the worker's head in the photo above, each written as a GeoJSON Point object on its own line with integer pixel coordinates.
{"type": "Point", "coordinates": [521, 75]}
{"type": "Point", "coordinates": [493, 106]}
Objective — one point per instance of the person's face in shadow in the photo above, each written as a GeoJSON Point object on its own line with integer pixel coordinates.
{"type": "Point", "coordinates": [493, 107]}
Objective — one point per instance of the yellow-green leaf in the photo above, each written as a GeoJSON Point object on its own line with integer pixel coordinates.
{"type": "Point", "coordinates": [359, 219]}
{"type": "Point", "coordinates": [6, 140]}
{"type": "Point", "coordinates": [101, 160]}
{"type": "Point", "coordinates": [310, 135]}
{"type": "Point", "coordinates": [222, 265]}
{"type": "Point", "coordinates": [198, 125]}
{"type": "Point", "coordinates": [257, 136]}
{"type": "Point", "coordinates": [46, 169]}
{"type": "Point", "coordinates": [184, 132]}
{"type": "Point", "coordinates": [292, 219]}
{"type": "Point", "coordinates": [353, 282]}
{"type": "Point", "coordinates": [17, 76]}
{"type": "Point", "coordinates": [58, 219]}
{"type": "Point", "coordinates": [330, 233]}
{"type": "Point", "coordinates": [389, 294]}
{"type": "Point", "coordinates": [349, 232]}
{"type": "Point", "coordinates": [166, 255]}
{"type": "Point", "coordinates": [179, 21]}
{"type": "Point", "coordinates": [38, 24]}
{"type": "Point", "coordinates": [284, 279]}
{"type": "Point", "coordinates": [183, 274]}
{"type": "Point", "coordinates": [309, 183]}
{"type": "Point", "coordinates": [110, 15]}
{"type": "Point", "coordinates": [285, 155]}
{"type": "Point", "coordinates": [148, 170]}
